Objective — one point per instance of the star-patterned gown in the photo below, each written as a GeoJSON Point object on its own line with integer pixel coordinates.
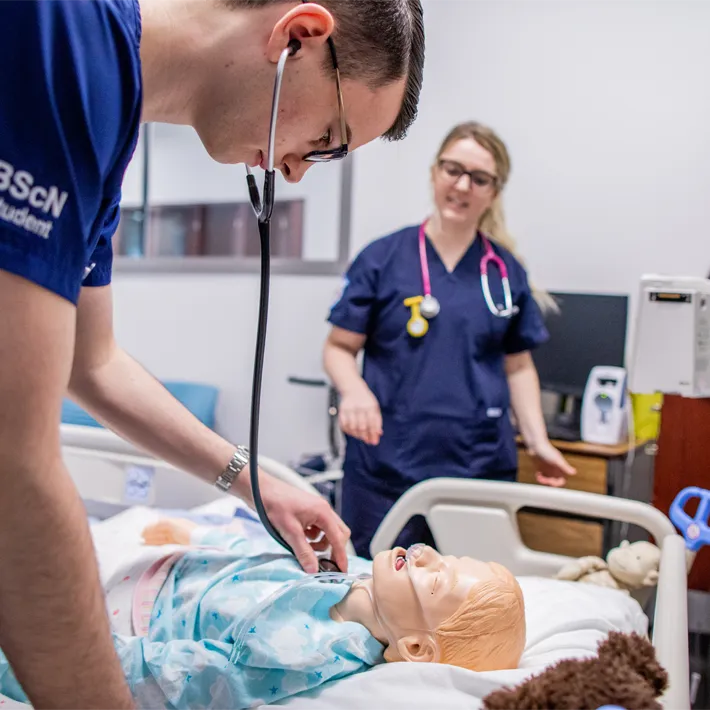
{"type": "Point", "coordinates": [190, 657]}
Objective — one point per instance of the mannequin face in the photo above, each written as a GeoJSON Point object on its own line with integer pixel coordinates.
{"type": "Point", "coordinates": [414, 598]}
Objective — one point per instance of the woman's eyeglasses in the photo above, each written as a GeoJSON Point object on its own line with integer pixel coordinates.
{"type": "Point", "coordinates": [479, 178]}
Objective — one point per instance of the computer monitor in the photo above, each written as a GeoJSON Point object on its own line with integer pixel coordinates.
{"type": "Point", "coordinates": [589, 330]}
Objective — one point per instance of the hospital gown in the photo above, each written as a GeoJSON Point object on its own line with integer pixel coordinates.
{"type": "Point", "coordinates": [190, 659]}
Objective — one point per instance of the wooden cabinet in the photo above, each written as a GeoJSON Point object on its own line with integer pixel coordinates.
{"type": "Point", "coordinates": [607, 470]}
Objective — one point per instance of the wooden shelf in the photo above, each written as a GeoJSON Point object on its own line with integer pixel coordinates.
{"type": "Point", "coordinates": [548, 533]}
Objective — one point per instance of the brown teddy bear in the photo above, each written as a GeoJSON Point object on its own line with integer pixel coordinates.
{"type": "Point", "coordinates": [625, 673]}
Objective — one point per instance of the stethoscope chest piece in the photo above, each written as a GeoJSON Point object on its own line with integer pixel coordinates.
{"type": "Point", "coordinates": [326, 565]}
{"type": "Point", "coordinates": [429, 307]}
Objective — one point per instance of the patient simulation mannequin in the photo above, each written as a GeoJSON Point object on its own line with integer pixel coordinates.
{"type": "Point", "coordinates": [427, 608]}
{"type": "Point", "coordinates": [451, 610]}
{"type": "Point", "coordinates": [224, 620]}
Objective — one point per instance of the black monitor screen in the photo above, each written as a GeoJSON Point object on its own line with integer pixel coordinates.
{"type": "Point", "coordinates": [589, 330]}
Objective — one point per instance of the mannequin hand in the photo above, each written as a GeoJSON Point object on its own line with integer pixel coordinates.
{"type": "Point", "coordinates": [169, 531]}
{"type": "Point", "coordinates": [552, 469]}
{"type": "Point", "coordinates": [360, 415]}
{"type": "Point", "coordinates": [306, 522]}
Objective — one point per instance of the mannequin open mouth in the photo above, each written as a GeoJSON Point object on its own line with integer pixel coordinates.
{"type": "Point", "coordinates": [399, 562]}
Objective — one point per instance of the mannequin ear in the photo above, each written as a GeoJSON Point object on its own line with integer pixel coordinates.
{"type": "Point", "coordinates": [417, 648]}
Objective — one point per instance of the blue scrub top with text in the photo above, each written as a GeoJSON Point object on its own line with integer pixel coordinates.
{"type": "Point", "coordinates": [444, 397]}
{"type": "Point", "coordinates": [70, 104]}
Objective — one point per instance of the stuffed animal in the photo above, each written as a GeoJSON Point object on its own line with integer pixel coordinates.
{"type": "Point", "coordinates": [627, 567]}
{"type": "Point", "coordinates": [625, 673]}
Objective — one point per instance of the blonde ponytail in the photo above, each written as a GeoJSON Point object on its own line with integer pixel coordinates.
{"type": "Point", "coordinates": [493, 221]}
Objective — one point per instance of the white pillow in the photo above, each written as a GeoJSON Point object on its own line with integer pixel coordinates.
{"type": "Point", "coordinates": [569, 619]}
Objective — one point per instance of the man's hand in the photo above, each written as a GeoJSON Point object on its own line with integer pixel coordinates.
{"type": "Point", "coordinates": [306, 522]}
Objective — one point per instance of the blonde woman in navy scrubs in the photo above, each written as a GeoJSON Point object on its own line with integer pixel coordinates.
{"type": "Point", "coordinates": [447, 320]}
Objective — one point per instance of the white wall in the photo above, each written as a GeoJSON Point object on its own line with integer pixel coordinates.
{"type": "Point", "coordinates": [203, 328]}
{"type": "Point", "coordinates": [606, 111]}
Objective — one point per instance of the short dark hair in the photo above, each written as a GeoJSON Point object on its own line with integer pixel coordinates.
{"type": "Point", "coordinates": [378, 42]}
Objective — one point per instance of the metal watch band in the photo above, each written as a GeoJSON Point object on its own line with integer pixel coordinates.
{"type": "Point", "coordinates": [239, 460]}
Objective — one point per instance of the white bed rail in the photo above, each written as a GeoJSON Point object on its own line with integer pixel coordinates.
{"type": "Point", "coordinates": [116, 479]}
{"type": "Point", "coordinates": [105, 480]}
{"type": "Point", "coordinates": [478, 518]}
{"type": "Point", "coordinates": [670, 623]}
{"type": "Point", "coordinates": [486, 511]}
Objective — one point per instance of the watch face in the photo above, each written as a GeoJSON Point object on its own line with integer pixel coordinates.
{"type": "Point", "coordinates": [417, 327]}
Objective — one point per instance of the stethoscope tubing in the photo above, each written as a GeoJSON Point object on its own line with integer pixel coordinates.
{"type": "Point", "coordinates": [263, 208]}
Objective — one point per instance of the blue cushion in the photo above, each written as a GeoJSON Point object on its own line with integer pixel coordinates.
{"type": "Point", "coordinates": [201, 400]}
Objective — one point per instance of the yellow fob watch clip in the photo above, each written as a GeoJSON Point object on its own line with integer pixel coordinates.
{"type": "Point", "coordinates": [417, 325]}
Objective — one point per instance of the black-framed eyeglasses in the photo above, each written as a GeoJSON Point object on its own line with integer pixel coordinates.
{"type": "Point", "coordinates": [325, 156]}
{"type": "Point", "coordinates": [478, 178]}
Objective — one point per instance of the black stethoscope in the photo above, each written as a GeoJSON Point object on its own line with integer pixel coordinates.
{"type": "Point", "coordinates": [263, 209]}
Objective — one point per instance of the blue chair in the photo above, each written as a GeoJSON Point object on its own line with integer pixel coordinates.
{"type": "Point", "coordinates": [200, 399]}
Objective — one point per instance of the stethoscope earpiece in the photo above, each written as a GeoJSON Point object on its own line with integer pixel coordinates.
{"type": "Point", "coordinates": [294, 45]}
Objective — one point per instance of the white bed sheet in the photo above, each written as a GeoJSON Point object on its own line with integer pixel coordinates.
{"type": "Point", "coordinates": [564, 619]}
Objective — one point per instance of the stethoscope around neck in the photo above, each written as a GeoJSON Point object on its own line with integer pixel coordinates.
{"type": "Point", "coordinates": [427, 307]}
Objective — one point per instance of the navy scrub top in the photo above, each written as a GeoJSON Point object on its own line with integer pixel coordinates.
{"type": "Point", "coordinates": [444, 397]}
{"type": "Point", "coordinates": [70, 102]}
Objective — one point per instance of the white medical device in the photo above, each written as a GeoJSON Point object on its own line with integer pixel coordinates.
{"type": "Point", "coordinates": [671, 352]}
{"type": "Point", "coordinates": [605, 406]}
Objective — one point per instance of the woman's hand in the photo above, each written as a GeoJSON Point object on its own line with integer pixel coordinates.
{"type": "Point", "coordinates": [360, 415]}
{"type": "Point", "coordinates": [552, 468]}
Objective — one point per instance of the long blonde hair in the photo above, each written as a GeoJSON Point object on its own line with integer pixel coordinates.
{"type": "Point", "coordinates": [493, 221]}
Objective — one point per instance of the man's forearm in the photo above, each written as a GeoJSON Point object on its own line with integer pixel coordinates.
{"type": "Point", "coordinates": [131, 402]}
{"type": "Point", "coordinates": [53, 624]}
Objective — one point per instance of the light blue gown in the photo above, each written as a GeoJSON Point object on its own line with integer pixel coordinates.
{"type": "Point", "coordinates": [190, 660]}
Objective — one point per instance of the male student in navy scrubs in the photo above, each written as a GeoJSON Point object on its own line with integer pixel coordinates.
{"type": "Point", "coordinates": [77, 79]}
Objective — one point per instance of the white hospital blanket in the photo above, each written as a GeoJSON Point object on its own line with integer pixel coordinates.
{"type": "Point", "coordinates": [564, 619]}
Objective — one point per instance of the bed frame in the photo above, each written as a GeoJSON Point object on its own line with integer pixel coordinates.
{"type": "Point", "coordinates": [112, 475]}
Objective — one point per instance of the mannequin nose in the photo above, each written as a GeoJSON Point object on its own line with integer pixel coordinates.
{"type": "Point", "coordinates": [427, 557]}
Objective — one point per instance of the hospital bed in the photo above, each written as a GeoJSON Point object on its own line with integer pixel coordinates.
{"type": "Point", "coordinates": [477, 518]}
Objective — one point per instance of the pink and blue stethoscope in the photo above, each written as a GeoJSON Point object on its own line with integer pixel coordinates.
{"type": "Point", "coordinates": [426, 307]}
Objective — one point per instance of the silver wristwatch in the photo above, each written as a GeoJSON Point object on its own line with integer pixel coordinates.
{"type": "Point", "coordinates": [239, 460]}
